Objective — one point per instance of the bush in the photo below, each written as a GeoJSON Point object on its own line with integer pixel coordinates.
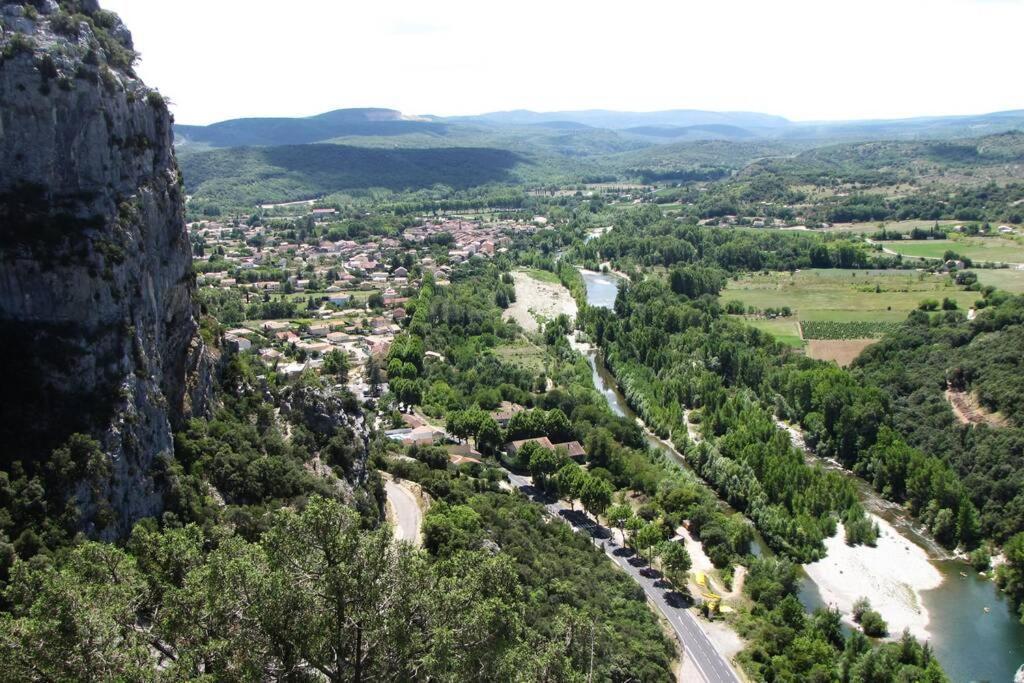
{"type": "Point", "coordinates": [156, 100]}
{"type": "Point", "coordinates": [19, 44]}
{"type": "Point", "coordinates": [980, 559]}
{"type": "Point", "coordinates": [64, 24]}
{"type": "Point", "coordinates": [873, 624]}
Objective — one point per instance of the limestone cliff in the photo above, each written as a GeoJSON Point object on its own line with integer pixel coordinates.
{"type": "Point", "coordinates": [98, 328]}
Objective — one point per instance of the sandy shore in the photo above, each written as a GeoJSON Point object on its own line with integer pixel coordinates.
{"type": "Point", "coordinates": [891, 575]}
{"type": "Point", "coordinates": [538, 301]}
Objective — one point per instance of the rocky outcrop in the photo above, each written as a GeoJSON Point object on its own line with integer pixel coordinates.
{"type": "Point", "coordinates": [98, 328]}
{"type": "Point", "coordinates": [329, 412]}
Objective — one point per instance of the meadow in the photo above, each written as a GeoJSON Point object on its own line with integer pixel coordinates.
{"type": "Point", "coordinates": [523, 354]}
{"type": "Point", "coordinates": [786, 330]}
{"type": "Point", "coordinates": [543, 275]}
{"type": "Point", "coordinates": [1007, 279]}
{"type": "Point", "coordinates": [978, 249]}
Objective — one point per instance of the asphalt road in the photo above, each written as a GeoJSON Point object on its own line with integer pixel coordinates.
{"type": "Point", "coordinates": [696, 644]}
{"type": "Point", "coordinates": [408, 517]}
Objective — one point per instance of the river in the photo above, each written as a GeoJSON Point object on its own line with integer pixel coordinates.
{"type": "Point", "coordinates": [973, 646]}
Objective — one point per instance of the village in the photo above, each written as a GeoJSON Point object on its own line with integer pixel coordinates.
{"type": "Point", "coordinates": [300, 300]}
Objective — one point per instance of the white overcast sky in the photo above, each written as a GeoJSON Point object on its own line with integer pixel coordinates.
{"type": "Point", "coordinates": [803, 59]}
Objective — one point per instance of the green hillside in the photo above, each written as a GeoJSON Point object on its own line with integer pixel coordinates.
{"type": "Point", "coordinates": [252, 175]}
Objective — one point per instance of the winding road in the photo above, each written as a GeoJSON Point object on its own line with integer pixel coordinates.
{"type": "Point", "coordinates": [712, 666]}
{"type": "Point", "coordinates": [407, 516]}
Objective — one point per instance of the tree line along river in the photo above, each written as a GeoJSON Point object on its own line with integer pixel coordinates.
{"type": "Point", "coordinates": [971, 644]}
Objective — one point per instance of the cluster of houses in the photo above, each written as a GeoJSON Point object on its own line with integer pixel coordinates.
{"type": "Point", "coordinates": [470, 238]}
{"type": "Point", "coordinates": [573, 449]}
{"type": "Point", "coordinates": [339, 273]}
{"type": "Point", "coordinates": [350, 264]}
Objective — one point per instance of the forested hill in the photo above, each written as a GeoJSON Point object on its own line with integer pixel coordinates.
{"type": "Point", "coordinates": [983, 360]}
{"type": "Point", "coordinates": [300, 131]}
{"type": "Point", "coordinates": [252, 175]}
{"type": "Point", "coordinates": [902, 158]}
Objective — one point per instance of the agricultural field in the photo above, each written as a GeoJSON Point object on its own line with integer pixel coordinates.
{"type": "Point", "coordinates": [849, 329]}
{"type": "Point", "coordinates": [839, 313]}
{"type": "Point", "coordinates": [845, 295]}
{"type": "Point", "coordinates": [843, 352]}
{"type": "Point", "coordinates": [978, 249]}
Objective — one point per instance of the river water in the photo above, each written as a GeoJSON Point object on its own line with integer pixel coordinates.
{"type": "Point", "coordinates": [973, 645]}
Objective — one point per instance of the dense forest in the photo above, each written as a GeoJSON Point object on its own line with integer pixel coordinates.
{"type": "Point", "coordinates": [254, 175]}
{"type": "Point", "coordinates": [318, 596]}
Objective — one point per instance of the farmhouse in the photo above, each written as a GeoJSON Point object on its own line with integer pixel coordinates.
{"type": "Point", "coordinates": [574, 449]}
{"type": "Point", "coordinates": [516, 446]}
{"type": "Point", "coordinates": [505, 412]}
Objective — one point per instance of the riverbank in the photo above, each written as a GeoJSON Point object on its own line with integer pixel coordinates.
{"type": "Point", "coordinates": [537, 302]}
{"type": "Point", "coordinates": [607, 267]}
{"type": "Point", "coordinates": [892, 575]}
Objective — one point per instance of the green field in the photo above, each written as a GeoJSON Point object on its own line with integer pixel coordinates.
{"type": "Point", "coordinates": [845, 295]}
{"type": "Point", "coordinates": [543, 276]}
{"type": "Point", "coordinates": [786, 330]}
{"type": "Point", "coordinates": [1008, 279]}
{"type": "Point", "coordinates": [359, 295]}
{"type": "Point", "coordinates": [979, 249]}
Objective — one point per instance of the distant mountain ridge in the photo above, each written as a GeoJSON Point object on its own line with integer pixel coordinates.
{"type": "Point", "coordinates": [266, 132]}
{"type": "Point", "coordinates": [709, 131]}
{"type": "Point", "coordinates": [244, 162]}
{"type": "Point", "coordinates": [616, 120]}
{"type": "Point", "coordinates": [392, 127]}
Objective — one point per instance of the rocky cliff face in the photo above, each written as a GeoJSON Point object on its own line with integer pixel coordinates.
{"type": "Point", "coordinates": [98, 329]}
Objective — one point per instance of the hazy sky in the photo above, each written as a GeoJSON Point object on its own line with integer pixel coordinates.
{"type": "Point", "coordinates": [804, 59]}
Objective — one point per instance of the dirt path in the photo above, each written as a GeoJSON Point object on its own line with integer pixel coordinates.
{"type": "Point", "coordinates": [968, 410]}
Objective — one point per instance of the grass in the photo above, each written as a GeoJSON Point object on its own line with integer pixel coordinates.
{"type": "Point", "coordinates": [523, 354]}
{"type": "Point", "coordinates": [543, 276]}
{"type": "Point", "coordinates": [360, 295]}
{"type": "Point", "coordinates": [845, 295]}
{"type": "Point", "coordinates": [980, 249]}
{"type": "Point", "coordinates": [1003, 278]}
{"type": "Point", "coordinates": [785, 330]}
